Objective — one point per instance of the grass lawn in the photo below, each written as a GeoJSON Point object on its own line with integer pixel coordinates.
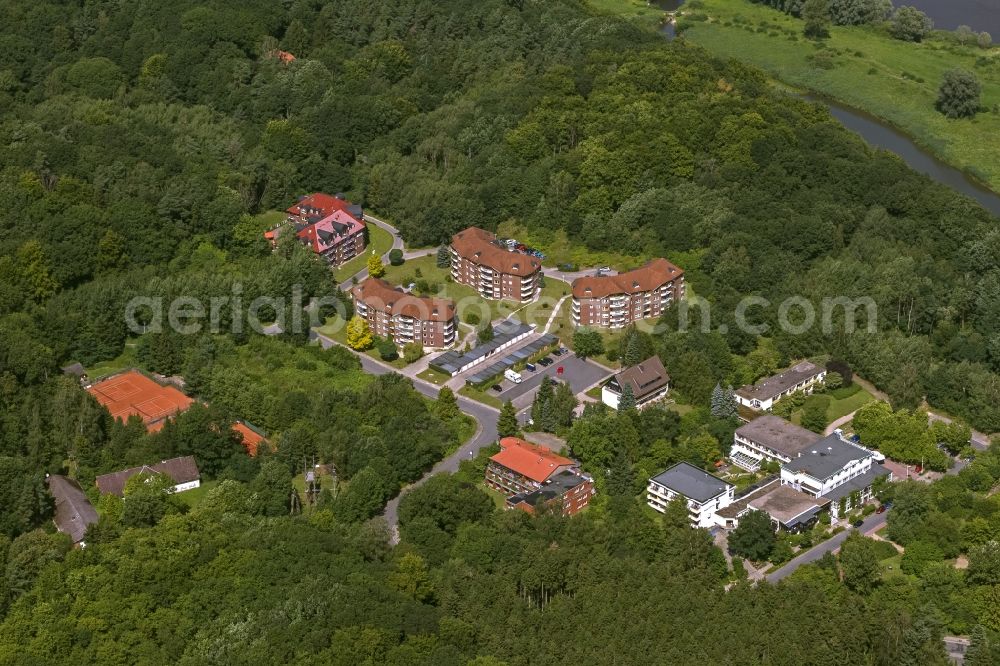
{"type": "Point", "coordinates": [439, 284]}
{"type": "Point", "coordinates": [336, 330]}
{"type": "Point", "coordinates": [379, 241]}
{"type": "Point", "coordinates": [195, 495]}
{"type": "Point", "coordinates": [486, 397]}
{"type": "Point", "coordinates": [847, 404]}
{"type": "Point", "coordinates": [594, 392]}
{"type": "Point", "coordinates": [890, 567]}
{"type": "Point", "coordinates": [125, 360]}
{"type": "Point", "coordinates": [866, 69]}
{"type": "Point", "coordinates": [269, 219]}
{"type": "Point", "coordinates": [434, 376]}
{"type": "Point", "coordinates": [499, 499]}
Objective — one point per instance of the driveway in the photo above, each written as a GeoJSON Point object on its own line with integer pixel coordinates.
{"type": "Point", "coordinates": [485, 435]}
{"type": "Point", "coordinates": [872, 523]}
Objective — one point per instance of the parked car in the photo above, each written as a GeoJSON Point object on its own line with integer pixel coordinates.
{"type": "Point", "coordinates": [530, 367]}
{"type": "Point", "coordinates": [546, 362]}
{"type": "Point", "coordinates": [881, 509]}
{"type": "Point", "coordinates": [858, 523]}
{"type": "Point", "coordinates": [497, 388]}
{"type": "Point", "coordinates": [558, 352]}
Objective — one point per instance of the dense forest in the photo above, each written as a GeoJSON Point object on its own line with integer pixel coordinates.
{"type": "Point", "coordinates": [142, 139]}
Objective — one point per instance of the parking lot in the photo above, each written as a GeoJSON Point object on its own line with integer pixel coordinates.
{"type": "Point", "coordinates": [580, 374]}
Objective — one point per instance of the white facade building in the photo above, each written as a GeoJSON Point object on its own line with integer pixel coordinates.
{"type": "Point", "coordinates": [763, 395]}
{"type": "Point", "coordinates": [769, 438]}
{"type": "Point", "coordinates": [705, 493]}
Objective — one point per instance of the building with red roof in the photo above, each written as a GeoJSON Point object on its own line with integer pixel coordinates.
{"type": "Point", "coordinates": [522, 467]}
{"type": "Point", "coordinates": [331, 226]}
{"type": "Point", "coordinates": [393, 313]}
{"type": "Point", "coordinates": [495, 270]}
{"type": "Point", "coordinates": [615, 301]}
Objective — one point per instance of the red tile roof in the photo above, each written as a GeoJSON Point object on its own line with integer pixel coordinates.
{"type": "Point", "coordinates": [534, 462]}
{"type": "Point", "coordinates": [479, 246]}
{"type": "Point", "coordinates": [132, 392]}
{"type": "Point", "coordinates": [381, 295]}
{"type": "Point", "coordinates": [656, 273]}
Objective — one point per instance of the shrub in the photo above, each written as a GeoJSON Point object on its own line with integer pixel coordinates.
{"type": "Point", "coordinates": [387, 350]}
{"type": "Point", "coordinates": [412, 352]}
{"type": "Point", "coordinates": [396, 257]}
{"type": "Point", "coordinates": [472, 318]}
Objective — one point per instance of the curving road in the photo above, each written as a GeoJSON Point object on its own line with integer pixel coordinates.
{"type": "Point", "coordinates": [872, 523]}
{"type": "Point", "coordinates": [485, 435]}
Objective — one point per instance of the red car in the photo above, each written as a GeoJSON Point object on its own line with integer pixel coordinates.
{"type": "Point", "coordinates": [881, 509]}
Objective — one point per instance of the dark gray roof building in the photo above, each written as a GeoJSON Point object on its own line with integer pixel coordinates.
{"type": "Point", "coordinates": [693, 483]}
{"type": "Point", "coordinates": [646, 379]}
{"type": "Point", "coordinates": [778, 384]}
{"type": "Point", "coordinates": [826, 457]}
{"type": "Point", "coordinates": [74, 512]}
{"type": "Point", "coordinates": [181, 470]}
{"type": "Point", "coordinates": [858, 483]}
{"type": "Point", "coordinates": [778, 434]}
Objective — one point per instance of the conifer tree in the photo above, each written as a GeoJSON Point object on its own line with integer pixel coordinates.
{"type": "Point", "coordinates": [507, 421]}
{"type": "Point", "coordinates": [627, 400]}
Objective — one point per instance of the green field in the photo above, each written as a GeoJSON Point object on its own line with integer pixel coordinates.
{"type": "Point", "coordinates": [632, 9]}
{"type": "Point", "coordinates": [865, 68]}
{"type": "Point", "coordinates": [192, 497]}
{"type": "Point", "coordinates": [379, 242]}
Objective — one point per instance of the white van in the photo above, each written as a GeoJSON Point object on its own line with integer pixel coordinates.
{"type": "Point", "coordinates": [512, 376]}
{"type": "Point", "coordinates": [879, 458]}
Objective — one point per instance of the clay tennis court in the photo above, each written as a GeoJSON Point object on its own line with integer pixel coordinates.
{"type": "Point", "coordinates": [134, 393]}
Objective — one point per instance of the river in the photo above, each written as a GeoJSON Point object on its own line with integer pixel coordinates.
{"type": "Point", "coordinates": [886, 137]}
{"type": "Point", "coordinates": [979, 15]}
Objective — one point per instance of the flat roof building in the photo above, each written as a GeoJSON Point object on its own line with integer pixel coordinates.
{"type": "Point", "coordinates": [769, 438]}
{"type": "Point", "coordinates": [705, 493]}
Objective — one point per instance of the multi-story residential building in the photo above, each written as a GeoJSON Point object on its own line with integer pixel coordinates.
{"type": "Point", "coordinates": [392, 313]}
{"type": "Point", "coordinates": [569, 491]}
{"type": "Point", "coordinates": [615, 301]}
{"type": "Point", "coordinates": [522, 467]}
{"type": "Point", "coordinates": [764, 394]}
{"type": "Point", "coordinates": [704, 493]}
{"type": "Point", "coordinates": [492, 269]}
{"type": "Point", "coordinates": [648, 380]}
{"type": "Point", "coordinates": [331, 226]}
{"type": "Point", "coordinates": [769, 438]}
{"type": "Point", "coordinates": [834, 469]}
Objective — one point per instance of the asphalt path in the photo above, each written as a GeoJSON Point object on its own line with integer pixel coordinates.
{"type": "Point", "coordinates": [397, 244]}
{"type": "Point", "coordinates": [485, 435]}
{"type": "Point", "coordinates": [871, 523]}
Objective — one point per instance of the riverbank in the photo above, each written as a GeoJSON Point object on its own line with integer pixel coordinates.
{"type": "Point", "coordinates": [864, 68]}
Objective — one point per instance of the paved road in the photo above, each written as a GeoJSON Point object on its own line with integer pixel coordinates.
{"type": "Point", "coordinates": [485, 435]}
{"type": "Point", "coordinates": [872, 522]}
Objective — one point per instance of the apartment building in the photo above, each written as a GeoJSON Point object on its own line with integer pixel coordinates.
{"type": "Point", "coordinates": [496, 272]}
{"type": "Point", "coordinates": [704, 493]}
{"type": "Point", "coordinates": [522, 467]}
{"type": "Point", "coordinates": [569, 492]}
{"type": "Point", "coordinates": [834, 469]}
{"type": "Point", "coordinates": [615, 301]}
{"type": "Point", "coordinates": [331, 226]}
{"type": "Point", "coordinates": [769, 438]}
{"type": "Point", "coordinates": [764, 394]}
{"type": "Point", "coordinates": [392, 313]}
